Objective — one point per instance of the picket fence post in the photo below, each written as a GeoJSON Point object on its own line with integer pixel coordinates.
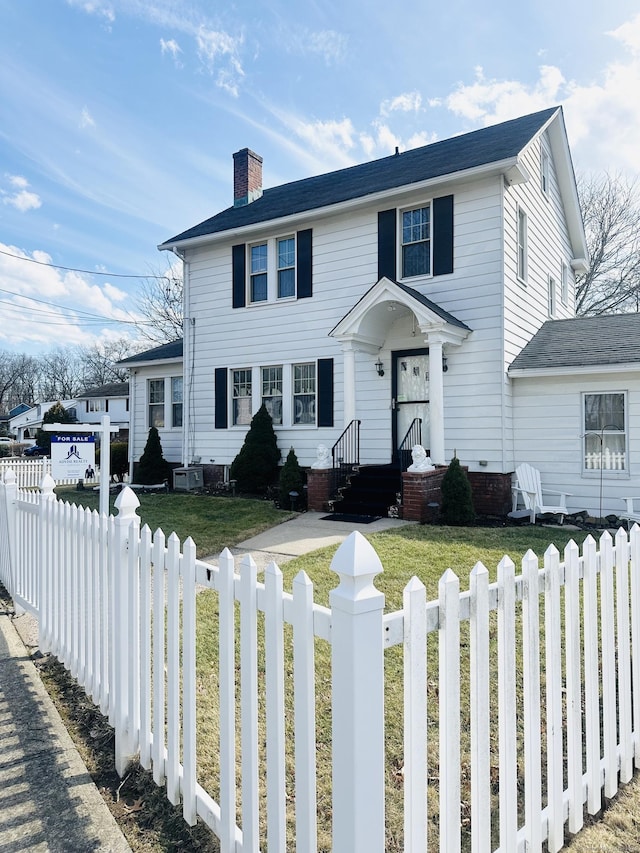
{"type": "Point", "coordinates": [11, 495]}
{"type": "Point", "coordinates": [127, 527]}
{"type": "Point", "coordinates": [357, 689]}
{"type": "Point", "coordinates": [45, 567]}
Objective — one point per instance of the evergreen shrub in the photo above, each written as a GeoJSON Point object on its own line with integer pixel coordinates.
{"type": "Point", "coordinates": [457, 500]}
{"type": "Point", "coordinates": [255, 468]}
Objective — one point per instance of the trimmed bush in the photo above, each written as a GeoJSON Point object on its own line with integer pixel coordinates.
{"type": "Point", "coordinates": [291, 480]}
{"type": "Point", "coordinates": [152, 468]}
{"type": "Point", "coordinates": [457, 500]}
{"type": "Point", "coordinates": [255, 468]}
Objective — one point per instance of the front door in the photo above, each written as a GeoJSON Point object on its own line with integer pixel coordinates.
{"type": "Point", "coordinates": [410, 392]}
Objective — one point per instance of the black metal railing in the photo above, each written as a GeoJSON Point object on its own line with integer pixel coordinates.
{"type": "Point", "coordinates": [345, 455]}
{"type": "Point", "coordinates": [412, 437]}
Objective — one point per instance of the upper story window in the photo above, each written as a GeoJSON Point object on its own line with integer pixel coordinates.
{"type": "Point", "coordinates": [416, 242]}
{"type": "Point", "coordinates": [522, 244]}
{"type": "Point", "coordinates": [272, 392]}
{"type": "Point", "coordinates": [176, 401]}
{"type": "Point", "coordinates": [605, 438]}
{"type": "Point", "coordinates": [551, 296]}
{"type": "Point", "coordinates": [242, 390]}
{"type": "Point", "coordinates": [258, 273]}
{"type": "Point", "coordinates": [155, 396]}
{"type": "Point", "coordinates": [544, 172]}
{"type": "Point", "coordinates": [97, 405]}
{"type": "Point", "coordinates": [286, 267]}
{"type": "Point", "coordinates": [304, 393]}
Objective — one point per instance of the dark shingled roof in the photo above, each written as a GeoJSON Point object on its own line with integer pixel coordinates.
{"type": "Point", "coordinates": [445, 315]}
{"type": "Point", "coordinates": [161, 353]}
{"type": "Point", "coordinates": [112, 389]}
{"type": "Point", "coordinates": [467, 151]}
{"type": "Point", "coordinates": [583, 342]}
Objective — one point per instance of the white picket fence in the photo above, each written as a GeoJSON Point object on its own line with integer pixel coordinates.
{"type": "Point", "coordinates": [608, 460]}
{"type": "Point", "coordinates": [29, 472]}
{"type": "Point", "coordinates": [551, 658]}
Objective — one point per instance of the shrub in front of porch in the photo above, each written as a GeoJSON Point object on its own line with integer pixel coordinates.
{"type": "Point", "coordinates": [255, 468]}
{"type": "Point", "coordinates": [457, 501]}
{"type": "Point", "coordinates": [291, 480]}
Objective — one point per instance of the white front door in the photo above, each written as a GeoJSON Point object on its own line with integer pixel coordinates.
{"type": "Point", "coordinates": [410, 390]}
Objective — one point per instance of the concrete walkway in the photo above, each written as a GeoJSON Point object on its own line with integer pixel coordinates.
{"type": "Point", "coordinates": [48, 803]}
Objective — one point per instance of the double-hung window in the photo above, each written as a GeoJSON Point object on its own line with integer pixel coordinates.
{"type": "Point", "coordinates": [522, 244]}
{"type": "Point", "coordinates": [258, 257]}
{"type": "Point", "coordinates": [605, 432]}
{"type": "Point", "coordinates": [304, 393]}
{"type": "Point", "coordinates": [97, 404]}
{"type": "Point", "coordinates": [272, 392]}
{"type": "Point", "coordinates": [155, 395]}
{"type": "Point", "coordinates": [176, 401]}
{"type": "Point", "coordinates": [241, 397]}
{"type": "Point", "coordinates": [416, 242]}
{"type": "Point", "coordinates": [286, 250]}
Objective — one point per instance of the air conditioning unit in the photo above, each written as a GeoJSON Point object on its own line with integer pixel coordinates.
{"type": "Point", "coordinates": [190, 479]}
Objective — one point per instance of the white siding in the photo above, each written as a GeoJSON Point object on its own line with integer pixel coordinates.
{"type": "Point", "coordinates": [170, 438]}
{"type": "Point", "coordinates": [548, 429]}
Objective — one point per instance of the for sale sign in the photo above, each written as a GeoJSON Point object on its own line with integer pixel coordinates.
{"type": "Point", "coordinates": [73, 457]}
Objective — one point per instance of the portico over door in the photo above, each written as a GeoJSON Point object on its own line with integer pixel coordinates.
{"type": "Point", "coordinates": [410, 398]}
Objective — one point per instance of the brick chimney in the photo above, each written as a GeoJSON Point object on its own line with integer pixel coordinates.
{"type": "Point", "coordinates": [247, 177]}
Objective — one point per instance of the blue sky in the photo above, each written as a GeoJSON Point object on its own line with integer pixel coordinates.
{"type": "Point", "coordinates": [119, 118]}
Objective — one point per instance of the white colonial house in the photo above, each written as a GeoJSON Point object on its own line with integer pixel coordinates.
{"type": "Point", "coordinates": [394, 303]}
{"type": "Point", "coordinates": [110, 399]}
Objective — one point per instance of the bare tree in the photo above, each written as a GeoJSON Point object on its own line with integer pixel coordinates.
{"type": "Point", "coordinates": [17, 374]}
{"type": "Point", "coordinates": [100, 362]}
{"type": "Point", "coordinates": [611, 211]}
{"type": "Point", "coordinates": [160, 303]}
{"type": "Point", "coordinates": [60, 374]}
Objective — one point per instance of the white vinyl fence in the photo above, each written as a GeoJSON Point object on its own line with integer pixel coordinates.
{"type": "Point", "coordinates": [29, 472]}
{"type": "Point", "coordinates": [521, 696]}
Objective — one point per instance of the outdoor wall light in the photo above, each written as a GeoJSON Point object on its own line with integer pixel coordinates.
{"type": "Point", "coordinates": [379, 368]}
{"type": "Point", "coordinates": [445, 366]}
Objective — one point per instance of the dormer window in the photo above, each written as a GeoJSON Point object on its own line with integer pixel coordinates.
{"type": "Point", "coordinates": [416, 242]}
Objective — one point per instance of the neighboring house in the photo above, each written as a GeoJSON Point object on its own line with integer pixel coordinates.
{"type": "Point", "coordinates": [26, 423]}
{"type": "Point", "coordinates": [111, 399]}
{"type": "Point", "coordinates": [155, 399]}
{"type": "Point", "coordinates": [397, 294]}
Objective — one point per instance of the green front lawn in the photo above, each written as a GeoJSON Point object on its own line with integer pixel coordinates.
{"type": "Point", "coordinates": [213, 523]}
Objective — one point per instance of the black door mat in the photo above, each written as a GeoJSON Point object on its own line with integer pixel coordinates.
{"type": "Point", "coordinates": [354, 519]}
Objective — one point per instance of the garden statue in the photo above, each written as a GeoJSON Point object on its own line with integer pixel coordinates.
{"type": "Point", "coordinates": [323, 457]}
{"type": "Point", "coordinates": [421, 462]}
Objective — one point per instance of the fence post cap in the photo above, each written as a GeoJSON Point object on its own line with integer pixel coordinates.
{"type": "Point", "coordinates": [356, 563]}
{"type": "Point", "coordinates": [47, 486]}
{"type": "Point", "coordinates": [9, 477]}
{"type": "Point", "coordinates": [127, 503]}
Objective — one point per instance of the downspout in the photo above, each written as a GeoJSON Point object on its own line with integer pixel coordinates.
{"type": "Point", "coordinates": [133, 379]}
{"type": "Point", "coordinates": [188, 351]}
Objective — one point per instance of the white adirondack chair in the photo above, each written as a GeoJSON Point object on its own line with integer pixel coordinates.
{"type": "Point", "coordinates": [632, 515]}
{"type": "Point", "coordinates": [527, 484]}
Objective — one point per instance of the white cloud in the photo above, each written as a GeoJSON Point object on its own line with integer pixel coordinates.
{"type": "Point", "coordinates": [171, 47]}
{"type": "Point", "coordinates": [214, 47]}
{"type": "Point", "coordinates": [22, 200]}
{"type": "Point", "coordinates": [407, 102]}
{"type": "Point", "coordinates": [328, 44]}
{"type": "Point", "coordinates": [37, 298]}
{"type": "Point", "coordinates": [95, 7]}
{"type": "Point", "coordinates": [629, 34]}
{"type": "Point", "coordinates": [86, 119]}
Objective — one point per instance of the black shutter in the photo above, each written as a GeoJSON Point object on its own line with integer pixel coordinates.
{"type": "Point", "coordinates": [304, 266]}
{"type": "Point", "coordinates": [443, 235]}
{"type": "Point", "coordinates": [325, 392]}
{"type": "Point", "coordinates": [387, 244]}
{"type": "Point", "coordinates": [239, 275]}
{"type": "Point", "coordinates": [220, 391]}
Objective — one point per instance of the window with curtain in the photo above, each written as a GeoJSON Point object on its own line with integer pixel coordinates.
{"type": "Point", "coordinates": [605, 439]}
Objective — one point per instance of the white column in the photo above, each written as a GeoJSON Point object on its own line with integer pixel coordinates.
{"type": "Point", "coordinates": [349, 362]}
{"type": "Point", "coordinates": [436, 402]}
